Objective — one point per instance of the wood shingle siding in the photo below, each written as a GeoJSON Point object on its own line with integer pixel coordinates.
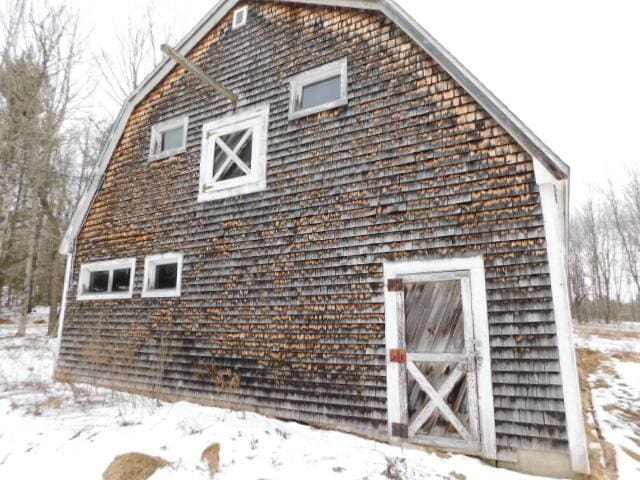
{"type": "Point", "coordinates": [282, 304]}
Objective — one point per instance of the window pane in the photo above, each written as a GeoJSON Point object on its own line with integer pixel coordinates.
{"type": "Point", "coordinates": [99, 281]}
{"type": "Point", "coordinates": [166, 276]}
{"type": "Point", "coordinates": [121, 280]}
{"type": "Point", "coordinates": [172, 139]}
{"type": "Point", "coordinates": [321, 92]}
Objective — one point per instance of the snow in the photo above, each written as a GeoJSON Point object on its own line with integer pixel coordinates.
{"type": "Point", "coordinates": [615, 390]}
{"type": "Point", "coordinates": [54, 430]}
{"type": "Point", "coordinates": [623, 337]}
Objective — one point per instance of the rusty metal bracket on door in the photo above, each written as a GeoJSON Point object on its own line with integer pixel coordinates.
{"type": "Point", "coordinates": [397, 355]}
{"type": "Point", "coordinates": [395, 285]}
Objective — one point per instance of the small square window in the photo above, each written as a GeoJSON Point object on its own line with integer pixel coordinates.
{"type": "Point", "coordinates": [106, 280]}
{"type": "Point", "coordinates": [168, 138]}
{"type": "Point", "coordinates": [234, 154]}
{"type": "Point", "coordinates": [240, 17]}
{"type": "Point", "coordinates": [162, 275]}
{"type": "Point", "coordinates": [320, 89]}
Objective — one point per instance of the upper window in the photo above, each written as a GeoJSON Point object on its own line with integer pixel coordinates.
{"type": "Point", "coordinates": [168, 138]}
{"type": "Point", "coordinates": [106, 280]}
{"type": "Point", "coordinates": [162, 275]}
{"type": "Point", "coordinates": [234, 155]}
{"type": "Point", "coordinates": [320, 89]}
{"type": "Point", "coordinates": [240, 17]}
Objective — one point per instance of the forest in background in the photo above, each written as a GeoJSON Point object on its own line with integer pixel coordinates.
{"type": "Point", "coordinates": [50, 141]}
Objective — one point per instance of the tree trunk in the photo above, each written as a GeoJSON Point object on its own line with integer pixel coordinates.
{"type": "Point", "coordinates": [9, 229]}
{"type": "Point", "coordinates": [34, 239]}
{"type": "Point", "coordinates": [55, 290]}
{"type": "Point", "coordinates": [36, 259]}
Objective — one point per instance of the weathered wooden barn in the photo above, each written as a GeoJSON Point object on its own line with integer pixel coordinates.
{"type": "Point", "coordinates": [366, 239]}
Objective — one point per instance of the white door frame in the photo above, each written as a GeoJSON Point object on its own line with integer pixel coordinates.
{"type": "Point", "coordinates": [394, 308]}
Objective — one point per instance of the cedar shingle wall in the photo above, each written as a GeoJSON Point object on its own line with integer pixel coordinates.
{"type": "Point", "coordinates": [282, 290]}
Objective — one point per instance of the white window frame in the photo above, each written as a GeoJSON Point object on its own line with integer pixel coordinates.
{"type": "Point", "coordinates": [324, 72]}
{"type": "Point", "coordinates": [110, 265]}
{"type": "Point", "coordinates": [150, 264]}
{"type": "Point", "coordinates": [258, 121]}
{"type": "Point", "coordinates": [156, 137]}
{"type": "Point", "coordinates": [244, 11]}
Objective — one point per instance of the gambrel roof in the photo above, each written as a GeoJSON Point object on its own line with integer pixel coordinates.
{"type": "Point", "coordinates": [525, 137]}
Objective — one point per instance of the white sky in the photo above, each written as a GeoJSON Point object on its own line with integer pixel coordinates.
{"type": "Point", "coordinates": [569, 69]}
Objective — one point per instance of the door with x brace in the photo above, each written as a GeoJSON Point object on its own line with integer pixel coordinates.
{"type": "Point", "coordinates": [439, 362]}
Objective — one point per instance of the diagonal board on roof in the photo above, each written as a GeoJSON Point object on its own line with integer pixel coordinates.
{"type": "Point", "coordinates": [525, 137]}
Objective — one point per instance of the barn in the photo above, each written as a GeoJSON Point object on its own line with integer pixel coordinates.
{"type": "Point", "coordinates": [312, 210]}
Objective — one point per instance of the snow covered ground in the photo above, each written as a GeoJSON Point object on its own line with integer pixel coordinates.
{"type": "Point", "coordinates": [50, 430]}
{"type": "Point", "coordinates": [610, 356]}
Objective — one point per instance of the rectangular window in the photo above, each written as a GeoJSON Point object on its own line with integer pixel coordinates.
{"type": "Point", "coordinates": [162, 275]}
{"type": "Point", "coordinates": [110, 279]}
{"type": "Point", "coordinates": [240, 17]}
{"type": "Point", "coordinates": [317, 90]}
{"type": "Point", "coordinates": [234, 155]}
{"type": "Point", "coordinates": [168, 138]}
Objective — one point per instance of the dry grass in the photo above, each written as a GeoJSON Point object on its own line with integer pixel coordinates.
{"type": "Point", "coordinates": [611, 332]}
{"type": "Point", "coordinates": [632, 454]}
{"type": "Point", "coordinates": [627, 357]}
{"type": "Point", "coordinates": [133, 466]}
{"type": "Point", "coordinates": [211, 455]}
{"type": "Point", "coordinates": [631, 416]}
{"type": "Point", "coordinates": [42, 406]}
{"type": "Point", "coordinates": [5, 321]}
{"type": "Point", "coordinates": [603, 464]}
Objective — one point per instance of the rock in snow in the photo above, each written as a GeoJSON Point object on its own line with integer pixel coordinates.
{"type": "Point", "coordinates": [133, 466]}
{"type": "Point", "coordinates": [211, 455]}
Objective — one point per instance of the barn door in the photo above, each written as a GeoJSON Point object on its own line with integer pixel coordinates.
{"type": "Point", "coordinates": [439, 362]}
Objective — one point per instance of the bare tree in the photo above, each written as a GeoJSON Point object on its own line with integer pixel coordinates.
{"type": "Point", "coordinates": [604, 253]}
{"type": "Point", "coordinates": [626, 216]}
{"type": "Point", "coordinates": [49, 142]}
{"type": "Point", "coordinates": [124, 65]}
{"type": "Point", "coordinates": [38, 92]}
{"type": "Point", "coordinates": [578, 274]}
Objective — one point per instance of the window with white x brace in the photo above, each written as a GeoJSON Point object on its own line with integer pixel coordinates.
{"type": "Point", "coordinates": [234, 155]}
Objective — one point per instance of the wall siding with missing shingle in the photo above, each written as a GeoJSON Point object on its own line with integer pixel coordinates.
{"type": "Point", "coordinates": [282, 307]}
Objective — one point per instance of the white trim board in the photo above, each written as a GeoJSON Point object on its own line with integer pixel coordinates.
{"type": "Point", "coordinates": [63, 308]}
{"type": "Point", "coordinates": [472, 85]}
{"type": "Point", "coordinates": [473, 268]}
{"type": "Point", "coordinates": [551, 199]}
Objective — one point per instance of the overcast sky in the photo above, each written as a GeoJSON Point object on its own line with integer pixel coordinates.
{"type": "Point", "coordinates": [569, 69]}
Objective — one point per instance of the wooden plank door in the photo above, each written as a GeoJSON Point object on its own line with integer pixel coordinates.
{"type": "Point", "coordinates": [440, 374]}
